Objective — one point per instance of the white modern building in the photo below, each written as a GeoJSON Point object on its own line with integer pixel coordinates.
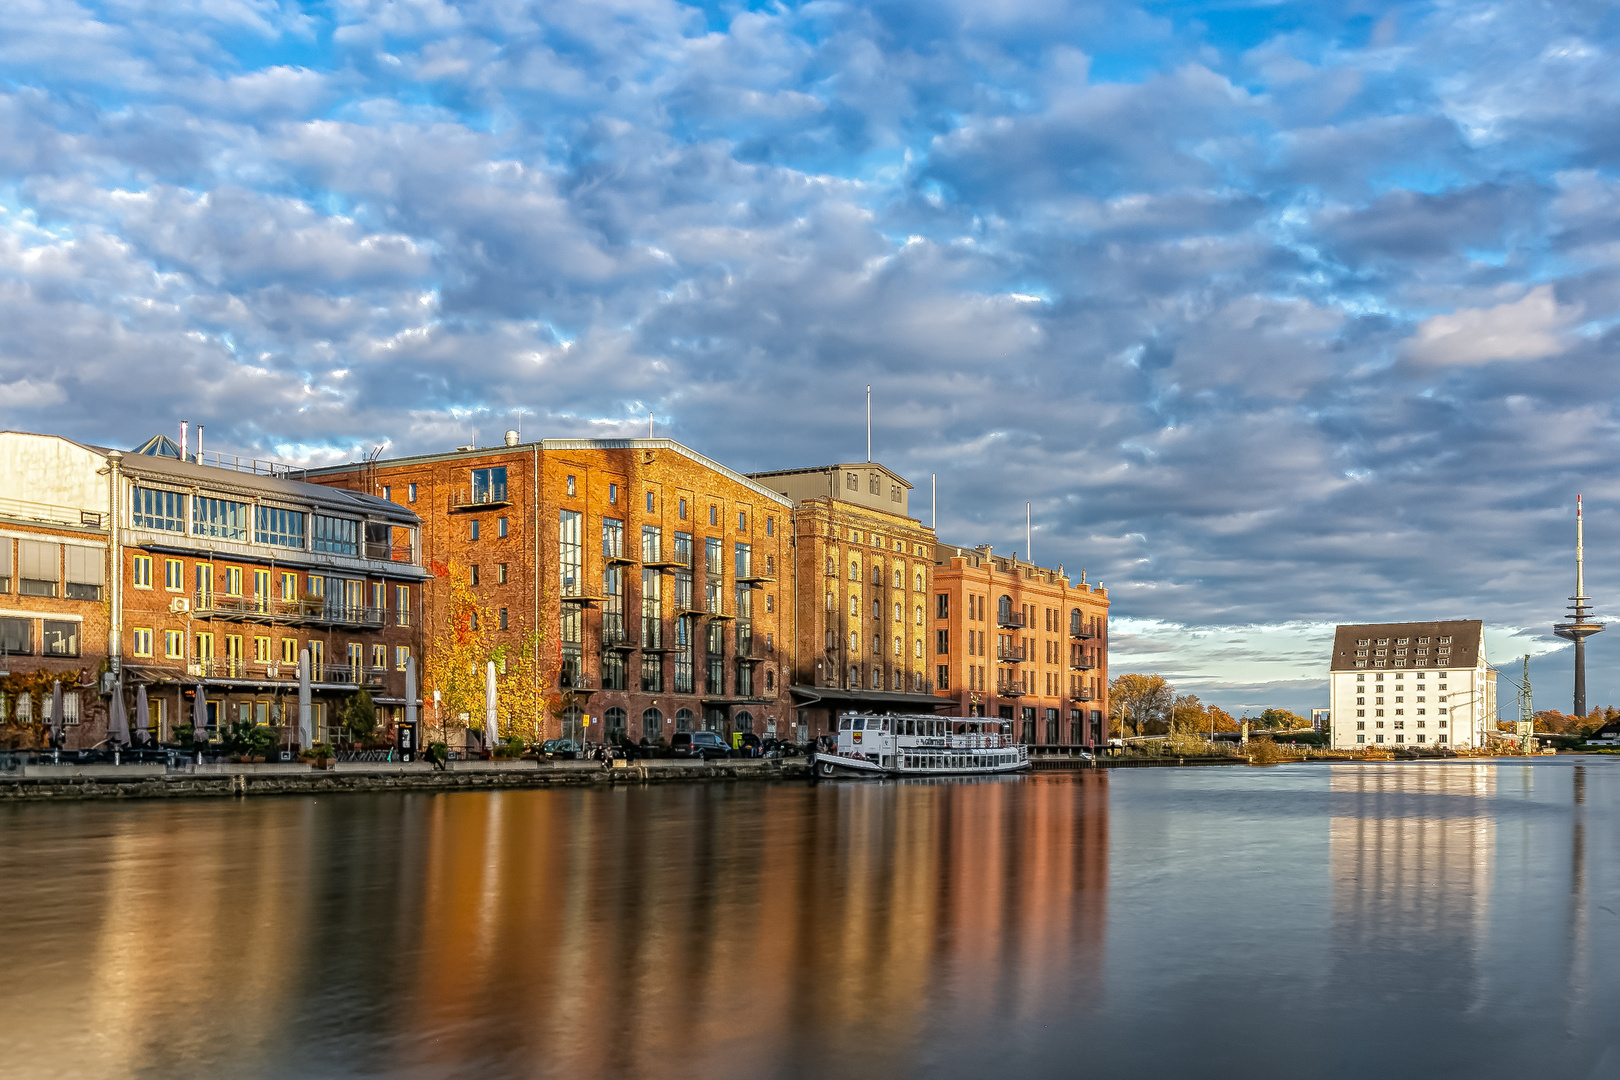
{"type": "Point", "coordinates": [1411, 684]}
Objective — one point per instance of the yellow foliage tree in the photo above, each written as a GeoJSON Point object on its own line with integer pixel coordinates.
{"type": "Point", "coordinates": [462, 644]}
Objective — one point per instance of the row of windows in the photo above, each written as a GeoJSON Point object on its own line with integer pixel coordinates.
{"type": "Point", "coordinates": [55, 637]}
{"type": "Point", "coordinates": [856, 536]}
{"type": "Point", "coordinates": [263, 585]}
{"type": "Point", "coordinates": [1400, 738]}
{"type": "Point", "coordinates": [919, 579]}
{"type": "Point", "coordinates": [219, 518]}
{"type": "Point", "coordinates": [1079, 622]}
{"type": "Point", "coordinates": [47, 569]}
{"type": "Point", "coordinates": [1402, 641]}
{"type": "Point", "coordinates": [145, 643]}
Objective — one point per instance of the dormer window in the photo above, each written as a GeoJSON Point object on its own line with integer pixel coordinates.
{"type": "Point", "coordinates": [1402, 641]}
{"type": "Point", "coordinates": [1383, 641]}
{"type": "Point", "coordinates": [1445, 641]}
{"type": "Point", "coordinates": [1363, 641]}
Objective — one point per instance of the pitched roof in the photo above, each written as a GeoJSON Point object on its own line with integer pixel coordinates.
{"type": "Point", "coordinates": [1467, 644]}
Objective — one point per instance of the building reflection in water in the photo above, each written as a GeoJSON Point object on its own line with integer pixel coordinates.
{"type": "Point", "coordinates": [1412, 852]}
{"type": "Point", "coordinates": [715, 930]}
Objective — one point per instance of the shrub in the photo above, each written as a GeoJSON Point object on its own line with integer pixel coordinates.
{"type": "Point", "coordinates": [509, 747]}
{"type": "Point", "coordinates": [1264, 752]}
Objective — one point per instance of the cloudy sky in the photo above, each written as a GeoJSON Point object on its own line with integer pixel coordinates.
{"type": "Point", "coordinates": [1281, 315]}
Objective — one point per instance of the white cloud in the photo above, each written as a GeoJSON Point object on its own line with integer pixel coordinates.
{"type": "Point", "coordinates": [1531, 328]}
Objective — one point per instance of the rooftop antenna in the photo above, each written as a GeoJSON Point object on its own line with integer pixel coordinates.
{"type": "Point", "coordinates": [185, 440]}
{"type": "Point", "coordinates": [649, 423]}
{"type": "Point", "coordinates": [1580, 626]}
{"type": "Point", "coordinates": [935, 484]}
{"type": "Point", "coordinates": [868, 421]}
{"type": "Point", "coordinates": [1029, 535]}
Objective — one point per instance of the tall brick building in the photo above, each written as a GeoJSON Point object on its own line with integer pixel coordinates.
{"type": "Point", "coordinates": [864, 583]}
{"type": "Point", "coordinates": [1020, 642]}
{"type": "Point", "coordinates": [655, 574]}
{"type": "Point", "coordinates": [55, 606]}
{"type": "Point", "coordinates": [214, 575]}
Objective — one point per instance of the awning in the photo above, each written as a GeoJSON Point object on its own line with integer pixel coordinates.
{"type": "Point", "coordinates": [871, 700]}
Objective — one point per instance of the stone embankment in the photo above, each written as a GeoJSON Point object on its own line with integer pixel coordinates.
{"type": "Point", "coordinates": [71, 782]}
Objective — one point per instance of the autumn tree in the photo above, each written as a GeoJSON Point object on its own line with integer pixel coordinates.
{"type": "Point", "coordinates": [525, 686]}
{"type": "Point", "coordinates": [456, 650]}
{"type": "Point", "coordinates": [1144, 702]}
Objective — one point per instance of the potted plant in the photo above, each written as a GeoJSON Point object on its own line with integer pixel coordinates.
{"type": "Point", "coordinates": [318, 754]}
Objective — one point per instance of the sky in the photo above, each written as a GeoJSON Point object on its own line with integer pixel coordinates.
{"type": "Point", "coordinates": [1279, 315]}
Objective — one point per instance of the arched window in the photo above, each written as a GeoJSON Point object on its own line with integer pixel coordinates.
{"type": "Point", "coordinates": [877, 677]}
{"type": "Point", "coordinates": [899, 612]}
{"type": "Point", "coordinates": [652, 725]}
{"type": "Point", "coordinates": [918, 650]}
{"type": "Point", "coordinates": [898, 650]}
{"type": "Point", "coordinates": [770, 681]}
{"type": "Point", "coordinates": [714, 718]}
{"type": "Point", "coordinates": [899, 578]}
{"type": "Point", "coordinates": [743, 721]}
{"type": "Point", "coordinates": [1076, 622]}
{"type": "Point", "coordinates": [855, 604]}
{"type": "Point", "coordinates": [919, 585]}
{"type": "Point", "coordinates": [854, 570]}
{"type": "Point", "coordinates": [831, 569]}
{"type": "Point", "coordinates": [854, 675]}
{"type": "Point", "coordinates": [830, 604]}
{"type": "Point", "coordinates": [854, 642]}
{"type": "Point", "coordinates": [1004, 613]}
{"type": "Point", "coordinates": [683, 720]}
{"type": "Point", "coordinates": [919, 615]}
{"type": "Point", "coordinates": [877, 575]}
{"type": "Point", "coordinates": [614, 723]}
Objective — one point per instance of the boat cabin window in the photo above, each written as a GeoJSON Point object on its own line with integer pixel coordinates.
{"type": "Point", "coordinates": [844, 724]}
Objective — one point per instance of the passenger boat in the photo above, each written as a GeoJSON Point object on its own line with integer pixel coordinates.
{"type": "Point", "coordinates": [922, 746]}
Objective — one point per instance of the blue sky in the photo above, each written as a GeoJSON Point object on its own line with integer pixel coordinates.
{"type": "Point", "coordinates": [1281, 315]}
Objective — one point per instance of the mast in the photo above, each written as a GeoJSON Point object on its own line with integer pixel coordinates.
{"type": "Point", "coordinates": [1580, 626]}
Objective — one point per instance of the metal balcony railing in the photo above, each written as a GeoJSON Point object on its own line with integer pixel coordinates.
{"type": "Point", "coordinates": [1010, 655]}
{"type": "Point", "coordinates": [387, 552]}
{"type": "Point", "coordinates": [1011, 621]}
{"type": "Point", "coordinates": [1081, 633]}
{"type": "Point", "coordinates": [467, 499]}
{"type": "Point", "coordinates": [312, 609]}
{"type": "Point", "coordinates": [1080, 663]}
{"type": "Point", "coordinates": [1080, 695]}
{"type": "Point", "coordinates": [1010, 690]}
{"type": "Point", "coordinates": [232, 668]}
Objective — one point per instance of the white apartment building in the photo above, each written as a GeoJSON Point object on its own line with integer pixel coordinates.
{"type": "Point", "coordinates": [1411, 684]}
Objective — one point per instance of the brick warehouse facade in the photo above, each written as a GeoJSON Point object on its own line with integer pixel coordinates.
{"type": "Point", "coordinates": [219, 575]}
{"type": "Point", "coordinates": [1021, 642]}
{"type": "Point", "coordinates": [55, 606]}
{"type": "Point", "coordinates": [864, 570]}
{"type": "Point", "coordinates": [654, 574]}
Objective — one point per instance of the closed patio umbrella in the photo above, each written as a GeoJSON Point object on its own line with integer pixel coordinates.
{"type": "Point", "coordinates": [305, 735]}
{"type": "Point", "coordinates": [142, 712]}
{"type": "Point", "coordinates": [410, 690]}
{"type": "Point", "coordinates": [117, 719]}
{"type": "Point", "coordinates": [58, 719]}
{"type": "Point", "coordinates": [199, 716]}
{"type": "Point", "coordinates": [489, 706]}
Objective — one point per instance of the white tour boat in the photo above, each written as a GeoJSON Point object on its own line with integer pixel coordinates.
{"type": "Point", "coordinates": [922, 746]}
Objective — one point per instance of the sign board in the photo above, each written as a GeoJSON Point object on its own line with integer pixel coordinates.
{"type": "Point", "coordinates": [405, 741]}
{"type": "Point", "coordinates": [1524, 728]}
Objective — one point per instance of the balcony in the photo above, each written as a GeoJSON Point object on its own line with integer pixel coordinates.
{"type": "Point", "coordinates": [1080, 663]}
{"type": "Point", "coordinates": [1011, 621]}
{"type": "Point", "coordinates": [575, 682]}
{"type": "Point", "coordinates": [1082, 634]}
{"type": "Point", "coordinates": [264, 609]}
{"type": "Point", "coordinates": [1080, 695]}
{"type": "Point", "coordinates": [1010, 690]}
{"type": "Point", "coordinates": [383, 551]}
{"type": "Point", "coordinates": [230, 669]}
{"type": "Point", "coordinates": [1009, 654]}
{"type": "Point", "coordinates": [616, 637]}
{"type": "Point", "coordinates": [464, 500]}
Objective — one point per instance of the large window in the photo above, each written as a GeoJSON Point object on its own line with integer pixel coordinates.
{"type": "Point", "coordinates": [613, 670]}
{"type": "Point", "coordinates": [652, 544]}
{"type": "Point", "coordinates": [715, 677]}
{"type": "Point", "coordinates": [16, 637]}
{"type": "Point", "coordinates": [744, 560]}
{"type": "Point", "coordinates": [652, 673]}
{"type": "Point", "coordinates": [652, 725]}
{"type": "Point", "coordinates": [221, 519]}
{"type": "Point", "coordinates": [337, 536]}
{"type": "Point", "coordinates": [283, 528]}
{"type": "Point", "coordinates": [61, 638]}
{"type": "Point", "coordinates": [489, 485]}
{"type": "Point", "coordinates": [39, 568]}
{"type": "Point", "coordinates": [612, 538]}
{"type": "Point", "coordinates": [652, 609]}
{"type": "Point", "coordinates": [154, 509]}
{"type": "Point", "coordinates": [685, 650]}
{"type": "Point", "coordinates": [570, 565]}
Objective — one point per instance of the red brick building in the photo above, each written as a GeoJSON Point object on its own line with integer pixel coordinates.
{"type": "Point", "coordinates": [656, 576]}
{"type": "Point", "coordinates": [216, 576]}
{"type": "Point", "coordinates": [1023, 643]}
{"type": "Point", "coordinates": [55, 606]}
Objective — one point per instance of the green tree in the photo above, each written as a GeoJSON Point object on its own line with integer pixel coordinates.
{"type": "Point", "coordinates": [359, 715]}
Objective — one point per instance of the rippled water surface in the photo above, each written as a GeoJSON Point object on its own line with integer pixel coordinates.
{"type": "Point", "coordinates": [1424, 920]}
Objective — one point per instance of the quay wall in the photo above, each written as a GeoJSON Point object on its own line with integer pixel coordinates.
{"type": "Point", "coordinates": [68, 783]}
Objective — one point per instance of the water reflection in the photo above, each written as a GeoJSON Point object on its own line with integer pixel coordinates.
{"type": "Point", "coordinates": [695, 930]}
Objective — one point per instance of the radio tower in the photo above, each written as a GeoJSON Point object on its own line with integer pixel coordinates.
{"type": "Point", "coordinates": [1580, 627]}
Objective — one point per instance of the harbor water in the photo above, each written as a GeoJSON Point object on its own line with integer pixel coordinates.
{"type": "Point", "coordinates": [1457, 918]}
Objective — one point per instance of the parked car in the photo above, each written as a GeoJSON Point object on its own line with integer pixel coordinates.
{"type": "Point", "coordinates": [703, 745]}
{"type": "Point", "coordinates": [564, 749]}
